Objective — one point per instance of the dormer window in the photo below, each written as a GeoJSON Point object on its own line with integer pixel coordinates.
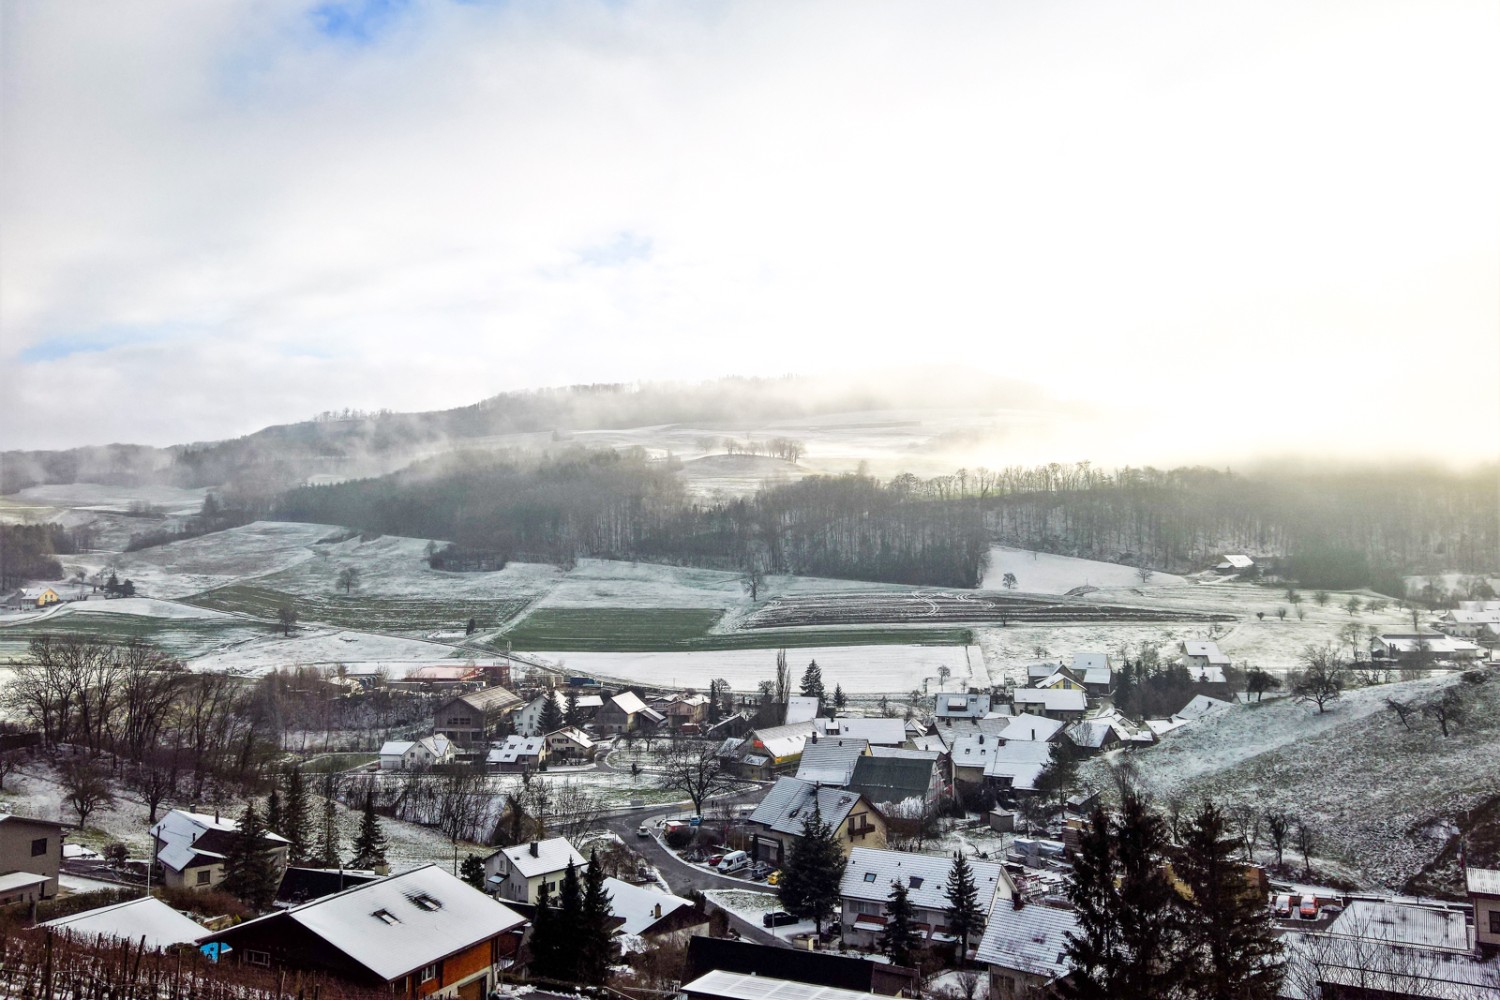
{"type": "Point", "coordinates": [915, 881]}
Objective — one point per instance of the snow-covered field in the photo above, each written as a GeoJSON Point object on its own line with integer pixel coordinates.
{"type": "Point", "coordinates": [1044, 573]}
{"type": "Point", "coordinates": [323, 647]}
{"type": "Point", "coordinates": [215, 560]}
{"type": "Point", "coordinates": [859, 669]}
{"type": "Point", "coordinates": [99, 496]}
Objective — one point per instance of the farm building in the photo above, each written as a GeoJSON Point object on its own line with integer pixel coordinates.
{"type": "Point", "coordinates": [1234, 563]}
{"type": "Point", "coordinates": [904, 789]}
{"type": "Point", "coordinates": [830, 762]}
{"type": "Point", "coordinates": [781, 816]}
{"type": "Point", "coordinates": [416, 934]}
{"type": "Point", "coordinates": [878, 732]}
{"type": "Point", "coordinates": [473, 719]}
{"type": "Point", "coordinates": [1483, 885]}
{"type": "Point", "coordinates": [801, 709]}
{"type": "Point", "coordinates": [1054, 703]}
{"type": "Point", "coordinates": [766, 753]}
{"type": "Point", "coordinates": [958, 705]}
{"type": "Point", "coordinates": [866, 888]}
{"type": "Point", "coordinates": [33, 597]}
{"type": "Point", "coordinates": [682, 710]}
{"type": "Point", "coordinates": [626, 713]}
{"type": "Point", "coordinates": [1407, 647]}
{"type": "Point", "coordinates": [1098, 676]}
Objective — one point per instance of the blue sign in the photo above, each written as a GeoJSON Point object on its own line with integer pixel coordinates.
{"type": "Point", "coordinates": [214, 949]}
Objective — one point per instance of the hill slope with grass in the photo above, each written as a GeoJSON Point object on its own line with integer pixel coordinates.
{"type": "Point", "coordinates": [1386, 802]}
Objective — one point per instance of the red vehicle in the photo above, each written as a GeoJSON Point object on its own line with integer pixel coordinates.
{"type": "Point", "coordinates": [1309, 908]}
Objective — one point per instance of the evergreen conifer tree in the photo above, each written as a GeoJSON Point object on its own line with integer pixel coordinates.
{"type": "Point", "coordinates": [812, 683]}
{"type": "Point", "coordinates": [250, 871]}
{"type": "Point", "coordinates": [550, 718]}
{"type": "Point", "coordinates": [569, 921]}
{"type": "Point", "coordinates": [809, 886]}
{"type": "Point", "coordinates": [274, 819]}
{"type": "Point", "coordinates": [369, 843]}
{"type": "Point", "coordinates": [328, 829]}
{"type": "Point", "coordinates": [472, 871]}
{"type": "Point", "coordinates": [596, 949]}
{"type": "Point", "coordinates": [964, 915]}
{"type": "Point", "coordinates": [1231, 951]}
{"type": "Point", "coordinates": [545, 942]}
{"type": "Point", "coordinates": [839, 698]}
{"type": "Point", "coordinates": [570, 712]}
{"type": "Point", "coordinates": [898, 941]}
{"type": "Point", "coordinates": [296, 824]}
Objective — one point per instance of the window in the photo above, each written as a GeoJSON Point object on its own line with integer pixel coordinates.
{"type": "Point", "coordinates": [385, 917]}
{"type": "Point", "coordinates": [204, 875]}
{"type": "Point", "coordinates": [1495, 921]}
{"type": "Point", "coordinates": [39, 847]}
{"type": "Point", "coordinates": [859, 825]}
{"type": "Point", "coordinates": [915, 881]}
{"type": "Point", "coordinates": [428, 974]}
{"type": "Point", "coordinates": [258, 957]}
{"type": "Point", "coordinates": [869, 876]}
{"type": "Point", "coordinates": [422, 901]}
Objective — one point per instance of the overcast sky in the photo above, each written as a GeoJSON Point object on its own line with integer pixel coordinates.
{"type": "Point", "coordinates": [1278, 223]}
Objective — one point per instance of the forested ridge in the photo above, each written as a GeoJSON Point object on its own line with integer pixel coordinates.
{"type": "Point", "coordinates": [623, 505]}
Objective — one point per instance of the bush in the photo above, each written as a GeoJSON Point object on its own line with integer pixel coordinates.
{"type": "Point", "coordinates": [679, 837]}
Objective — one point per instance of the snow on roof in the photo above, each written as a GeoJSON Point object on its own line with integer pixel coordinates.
{"type": "Point", "coordinates": [1027, 726]}
{"type": "Point", "coordinates": [1036, 671]}
{"type": "Point", "coordinates": [925, 876]}
{"type": "Point", "coordinates": [589, 701]}
{"type": "Point", "coordinates": [1473, 617]}
{"type": "Point", "coordinates": [551, 856]}
{"type": "Point", "coordinates": [1201, 707]}
{"type": "Point", "coordinates": [1484, 880]}
{"type": "Point", "coordinates": [1436, 643]}
{"type": "Point", "coordinates": [20, 880]}
{"type": "Point", "coordinates": [7, 817]}
{"type": "Point", "coordinates": [514, 748]}
{"type": "Point", "coordinates": [1239, 561]}
{"type": "Point", "coordinates": [789, 802]}
{"type": "Point", "coordinates": [934, 744]}
{"type": "Point", "coordinates": [1083, 662]}
{"type": "Point", "coordinates": [1207, 675]}
{"type": "Point", "coordinates": [405, 922]}
{"type": "Point", "coordinates": [1402, 923]}
{"type": "Point", "coordinates": [1090, 733]}
{"type": "Point", "coordinates": [147, 917]}
{"type": "Point", "coordinates": [575, 734]}
{"type": "Point", "coordinates": [179, 830]}
{"type": "Point", "coordinates": [801, 709]}
{"type": "Point", "coordinates": [1022, 761]}
{"type": "Point", "coordinates": [742, 986]}
{"type": "Point", "coordinates": [629, 703]}
{"type": "Point", "coordinates": [1029, 940]}
{"type": "Point", "coordinates": [1204, 648]}
{"type": "Point", "coordinates": [932, 756]}
{"type": "Point", "coordinates": [1161, 727]}
{"type": "Point", "coordinates": [830, 761]}
{"type": "Point", "coordinates": [488, 699]}
{"type": "Point", "coordinates": [396, 748]}
{"type": "Point", "coordinates": [638, 906]}
{"type": "Point", "coordinates": [1052, 699]}
{"type": "Point", "coordinates": [891, 732]}
{"type": "Point", "coordinates": [962, 705]}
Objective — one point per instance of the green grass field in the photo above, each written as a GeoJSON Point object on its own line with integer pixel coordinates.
{"type": "Point", "coordinates": [658, 630]}
{"type": "Point", "coordinates": [361, 612]}
{"type": "Point", "coordinates": [182, 637]}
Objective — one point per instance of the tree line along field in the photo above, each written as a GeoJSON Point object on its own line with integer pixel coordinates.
{"type": "Point", "coordinates": [361, 612]}
{"type": "Point", "coordinates": [949, 606]}
{"type": "Point", "coordinates": [649, 630]}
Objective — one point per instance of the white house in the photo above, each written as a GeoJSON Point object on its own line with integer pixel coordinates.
{"type": "Point", "coordinates": [960, 705]}
{"type": "Point", "coordinates": [415, 755]}
{"type": "Point", "coordinates": [1200, 654]}
{"type": "Point", "coordinates": [517, 873]}
{"type": "Point", "coordinates": [866, 888]}
{"type": "Point", "coordinates": [517, 753]}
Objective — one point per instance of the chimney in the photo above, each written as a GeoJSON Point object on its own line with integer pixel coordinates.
{"type": "Point", "coordinates": [657, 911]}
{"type": "Point", "coordinates": [981, 739]}
{"type": "Point", "coordinates": [534, 852]}
{"type": "Point", "coordinates": [1018, 900]}
{"type": "Point", "coordinates": [815, 737]}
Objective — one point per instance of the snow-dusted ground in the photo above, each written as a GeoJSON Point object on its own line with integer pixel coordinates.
{"type": "Point", "coordinates": [146, 607]}
{"type": "Point", "coordinates": [216, 560]}
{"type": "Point", "coordinates": [1368, 786]}
{"type": "Point", "coordinates": [859, 669]}
{"type": "Point", "coordinates": [323, 647]}
{"type": "Point", "coordinates": [1044, 573]}
{"type": "Point", "coordinates": [99, 496]}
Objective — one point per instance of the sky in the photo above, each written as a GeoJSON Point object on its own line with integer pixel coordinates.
{"type": "Point", "coordinates": [1271, 225]}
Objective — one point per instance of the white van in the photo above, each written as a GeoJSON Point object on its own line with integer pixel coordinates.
{"type": "Point", "coordinates": [732, 862]}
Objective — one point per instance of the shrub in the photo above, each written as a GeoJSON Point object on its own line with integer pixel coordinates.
{"type": "Point", "coordinates": [679, 837]}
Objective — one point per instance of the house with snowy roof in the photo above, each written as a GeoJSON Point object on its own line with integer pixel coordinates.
{"type": "Point", "coordinates": [866, 888]}
{"type": "Point", "coordinates": [1015, 766]}
{"type": "Point", "coordinates": [961, 705]}
{"type": "Point", "coordinates": [1467, 624]}
{"type": "Point", "coordinates": [1095, 670]}
{"type": "Point", "coordinates": [1023, 947]}
{"type": "Point", "coordinates": [1055, 703]}
{"type": "Point", "coordinates": [570, 744]}
{"type": "Point", "coordinates": [194, 847]}
{"type": "Point", "coordinates": [681, 710]}
{"type": "Point", "coordinates": [767, 752]}
{"type": "Point", "coordinates": [517, 754]}
{"type": "Point", "coordinates": [781, 817]}
{"type": "Point", "coordinates": [528, 720]}
{"type": "Point", "coordinates": [415, 755]}
{"type": "Point", "coordinates": [31, 852]}
{"type": "Point", "coordinates": [659, 918]}
{"type": "Point", "coordinates": [1412, 646]}
{"type": "Point", "coordinates": [145, 919]}
{"type": "Point", "coordinates": [877, 732]}
{"type": "Point", "coordinates": [474, 718]}
{"type": "Point", "coordinates": [801, 708]}
{"type": "Point", "coordinates": [1200, 654]}
{"type": "Point", "coordinates": [518, 872]}
{"type": "Point", "coordinates": [32, 598]}
{"type": "Point", "coordinates": [830, 761]}
{"type": "Point", "coordinates": [626, 713]}
{"type": "Point", "coordinates": [420, 933]}
{"type": "Point", "coordinates": [1483, 885]}
{"type": "Point", "coordinates": [1235, 562]}
{"type": "Point", "coordinates": [906, 789]}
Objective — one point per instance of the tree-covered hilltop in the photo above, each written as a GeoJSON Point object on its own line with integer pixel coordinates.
{"type": "Point", "coordinates": [624, 505]}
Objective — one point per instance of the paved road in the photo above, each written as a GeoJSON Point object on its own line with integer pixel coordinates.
{"type": "Point", "coordinates": [682, 877]}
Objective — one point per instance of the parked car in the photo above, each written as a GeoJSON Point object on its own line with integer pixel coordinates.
{"type": "Point", "coordinates": [644, 830]}
{"type": "Point", "coordinates": [1309, 908]}
{"type": "Point", "coordinates": [774, 878]}
{"type": "Point", "coordinates": [734, 861]}
{"type": "Point", "coordinates": [1282, 906]}
{"type": "Point", "coordinates": [778, 918]}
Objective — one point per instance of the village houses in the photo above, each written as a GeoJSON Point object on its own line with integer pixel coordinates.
{"type": "Point", "coordinates": [518, 872]}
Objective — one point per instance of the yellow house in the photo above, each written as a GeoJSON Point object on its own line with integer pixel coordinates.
{"type": "Point", "coordinates": [779, 819]}
{"type": "Point", "coordinates": [1060, 682]}
{"type": "Point", "coordinates": [37, 598]}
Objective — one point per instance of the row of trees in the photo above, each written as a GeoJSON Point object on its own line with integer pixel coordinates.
{"type": "Point", "coordinates": [571, 937]}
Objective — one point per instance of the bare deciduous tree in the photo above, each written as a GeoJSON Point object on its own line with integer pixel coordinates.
{"type": "Point", "coordinates": [85, 788]}
{"type": "Point", "coordinates": [696, 770]}
{"type": "Point", "coordinates": [1448, 710]}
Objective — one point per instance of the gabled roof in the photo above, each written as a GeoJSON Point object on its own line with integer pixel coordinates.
{"type": "Point", "coordinates": [12, 817]}
{"type": "Point", "coordinates": [960, 704]}
{"type": "Point", "coordinates": [1022, 761]}
{"type": "Point", "coordinates": [830, 761]}
{"type": "Point", "coordinates": [490, 699]}
{"type": "Point", "coordinates": [575, 734]}
{"type": "Point", "coordinates": [1200, 707]}
{"type": "Point", "coordinates": [516, 748]}
{"type": "Point", "coordinates": [1485, 881]}
{"type": "Point", "coordinates": [890, 732]}
{"type": "Point", "coordinates": [801, 709]}
{"type": "Point", "coordinates": [1029, 940]}
{"type": "Point", "coordinates": [551, 856]}
{"type": "Point", "coordinates": [1210, 650]}
{"type": "Point", "coordinates": [132, 920]}
{"type": "Point", "coordinates": [891, 779]}
{"type": "Point", "coordinates": [1052, 699]}
{"type": "Point", "coordinates": [748, 986]}
{"type": "Point", "coordinates": [1084, 662]}
{"type": "Point", "coordinates": [1027, 726]}
{"type": "Point", "coordinates": [637, 906]}
{"type": "Point", "coordinates": [869, 873]}
{"type": "Point", "coordinates": [1402, 924]}
{"type": "Point", "coordinates": [779, 741]}
{"type": "Point", "coordinates": [629, 703]}
{"type": "Point", "coordinates": [789, 802]}
{"type": "Point", "coordinates": [1238, 561]}
{"type": "Point", "coordinates": [397, 925]}
{"type": "Point", "coordinates": [188, 837]}
{"type": "Point", "coordinates": [396, 748]}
